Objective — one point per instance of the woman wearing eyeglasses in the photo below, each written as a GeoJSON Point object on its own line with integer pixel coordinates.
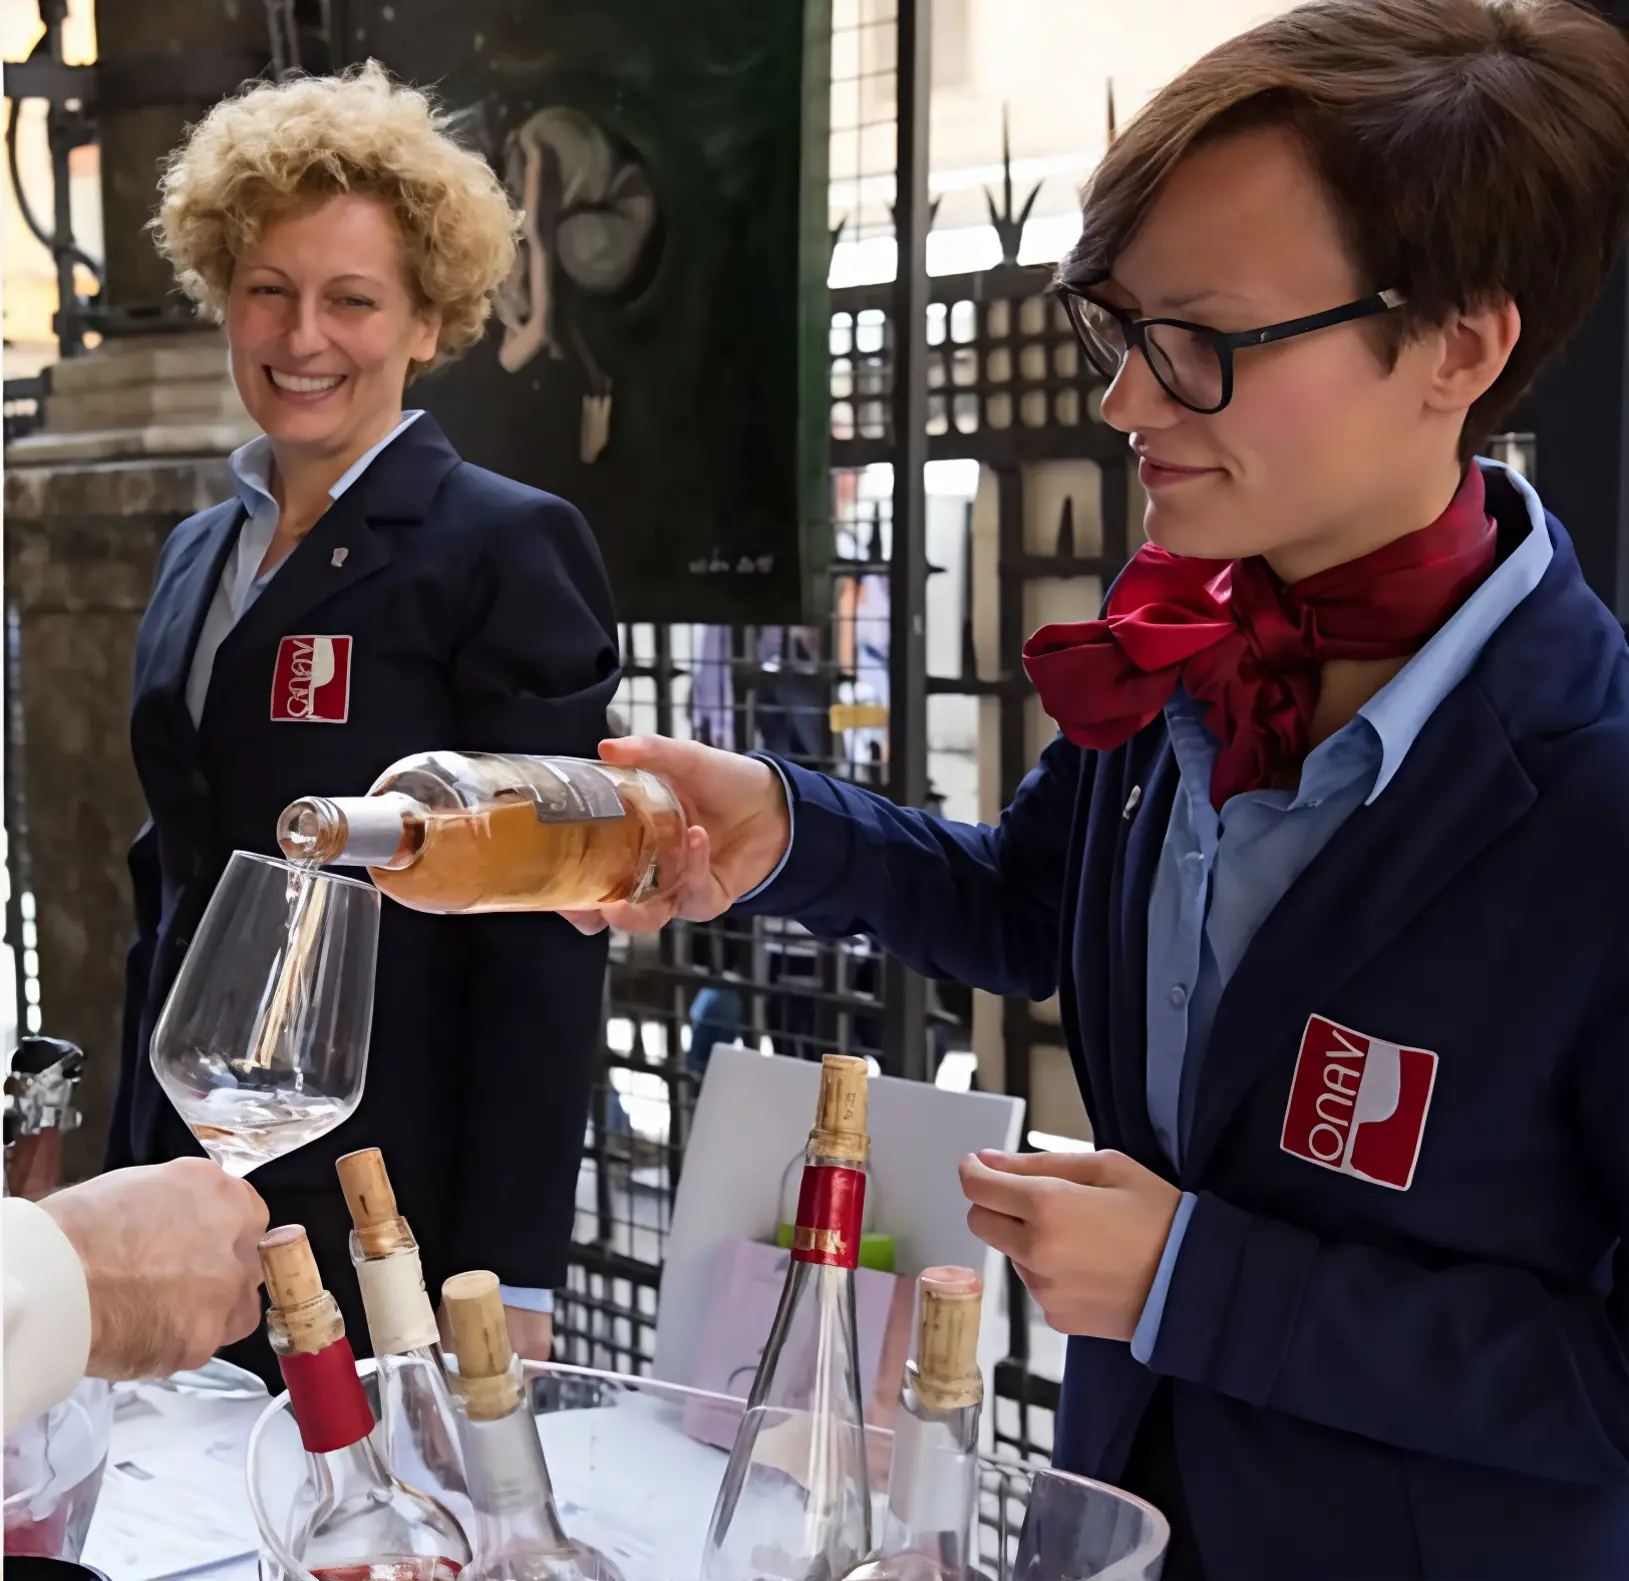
{"type": "Point", "coordinates": [1326, 867]}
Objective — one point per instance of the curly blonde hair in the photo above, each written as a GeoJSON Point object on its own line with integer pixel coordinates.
{"type": "Point", "coordinates": [278, 146]}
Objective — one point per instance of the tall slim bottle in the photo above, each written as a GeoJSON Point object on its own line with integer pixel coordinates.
{"type": "Point", "coordinates": [795, 1504]}
{"type": "Point", "coordinates": [416, 1417]}
{"type": "Point", "coordinates": [352, 1520]}
{"type": "Point", "coordinates": [479, 831]}
{"type": "Point", "coordinates": [518, 1534]}
{"type": "Point", "coordinates": [931, 1530]}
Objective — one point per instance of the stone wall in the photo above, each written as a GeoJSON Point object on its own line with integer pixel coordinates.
{"type": "Point", "coordinates": [81, 543]}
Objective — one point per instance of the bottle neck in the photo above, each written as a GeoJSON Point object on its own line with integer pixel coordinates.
{"type": "Point", "coordinates": [326, 1396]}
{"type": "Point", "coordinates": [509, 1487]}
{"type": "Point", "coordinates": [384, 831]}
{"type": "Point", "coordinates": [830, 1211]}
{"type": "Point", "coordinates": [352, 1470]}
{"type": "Point", "coordinates": [933, 1481]}
{"type": "Point", "coordinates": [400, 1317]}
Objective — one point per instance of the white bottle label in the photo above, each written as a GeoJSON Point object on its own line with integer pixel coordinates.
{"type": "Point", "coordinates": [926, 1487]}
{"type": "Point", "coordinates": [400, 1318]}
{"type": "Point", "coordinates": [578, 791]}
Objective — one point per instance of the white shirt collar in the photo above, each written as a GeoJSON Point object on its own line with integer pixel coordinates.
{"type": "Point", "coordinates": [251, 467]}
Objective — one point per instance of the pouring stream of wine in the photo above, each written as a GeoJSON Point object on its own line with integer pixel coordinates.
{"type": "Point", "coordinates": [307, 904]}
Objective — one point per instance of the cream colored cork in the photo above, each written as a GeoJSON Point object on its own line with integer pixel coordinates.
{"type": "Point", "coordinates": [947, 1338]}
{"type": "Point", "coordinates": [839, 1129]}
{"type": "Point", "coordinates": [380, 1229]}
{"type": "Point", "coordinates": [301, 1308]}
{"type": "Point", "coordinates": [480, 1336]}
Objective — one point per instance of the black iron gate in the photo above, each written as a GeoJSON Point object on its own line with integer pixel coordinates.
{"type": "Point", "coordinates": [991, 375]}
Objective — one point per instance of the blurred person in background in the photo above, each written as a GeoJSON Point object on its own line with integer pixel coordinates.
{"type": "Point", "coordinates": [1326, 867]}
{"type": "Point", "coordinates": [350, 245]}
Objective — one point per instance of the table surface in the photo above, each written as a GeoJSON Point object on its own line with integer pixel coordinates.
{"type": "Point", "coordinates": [174, 1501]}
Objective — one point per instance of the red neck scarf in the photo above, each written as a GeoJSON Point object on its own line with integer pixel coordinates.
{"type": "Point", "coordinates": [1249, 647]}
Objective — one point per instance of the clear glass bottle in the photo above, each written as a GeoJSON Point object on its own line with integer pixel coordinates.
{"type": "Point", "coordinates": [795, 1504]}
{"type": "Point", "coordinates": [352, 1520]}
{"type": "Point", "coordinates": [931, 1529]}
{"type": "Point", "coordinates": [518, 1533]}
{"type": "Point", "coordinates": [417, 1423]}
{"type": "Point", "coordinates": [477, 831]}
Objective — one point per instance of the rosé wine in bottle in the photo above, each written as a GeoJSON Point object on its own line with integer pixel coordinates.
{"type": "Point", "coordinates": [352, 1520]}
{"type": "Point", "coordinates": [476, 831]}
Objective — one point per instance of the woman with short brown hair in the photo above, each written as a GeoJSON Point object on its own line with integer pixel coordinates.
{"type": "Point", "coordinates": [349, 244]}
{"type": "Point", "coordinates": [1326, 867]}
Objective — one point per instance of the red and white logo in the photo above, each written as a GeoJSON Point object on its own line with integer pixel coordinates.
{"type": "Point", "coordinates": [1358, 1104]}
{"type": "Point", "coordinates": [312, 681]}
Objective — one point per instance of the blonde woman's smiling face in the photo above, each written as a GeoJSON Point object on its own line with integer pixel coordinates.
{"type": "Point", "coordinates": [323, 325]}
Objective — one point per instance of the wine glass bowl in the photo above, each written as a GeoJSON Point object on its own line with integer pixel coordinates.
{"type": "Point", "coordinates": [262, 1045]}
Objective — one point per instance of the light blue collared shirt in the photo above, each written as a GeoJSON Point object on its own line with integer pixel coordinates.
{"type": "Point", "coordinates": [1220, 874]}
{"type": "Point", "coordinates": [240, 586]}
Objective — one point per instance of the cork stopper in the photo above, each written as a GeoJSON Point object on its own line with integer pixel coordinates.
{"type": "Point", "coordinates": [480, 1335]}
{"type": "Point", "coordinates": [839, 1129]}
{"type": "Point", "coordinates": [946, 1375]}
{"type": "Point", "coordinates": [303, 1313]}
{"type": "Point", "coordinates": [380, 1229]}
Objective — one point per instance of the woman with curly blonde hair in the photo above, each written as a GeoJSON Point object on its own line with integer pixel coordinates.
{"type": "Point", "coordinates": [366, 594]}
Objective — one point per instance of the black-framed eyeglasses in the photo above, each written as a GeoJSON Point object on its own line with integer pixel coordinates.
{"type": "Point", "coordinates": [1193, 362]}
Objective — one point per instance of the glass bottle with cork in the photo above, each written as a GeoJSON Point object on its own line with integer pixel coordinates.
{"type": "Point", "coordinates": [795, 1503]}
{"type": "Point", "coordinates": [930, 1532]}
{"type": "Point", "coordinates": [417, 1422]}
{"type": "Point", "coordinates": [352, 1520]}
{"type": "Point", "coordinates": [518, 1532]}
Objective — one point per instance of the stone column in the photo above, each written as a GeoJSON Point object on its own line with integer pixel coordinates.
{"type": "Point", "coordinates": [80, 546]}
{"type": "Point", "coordinates": [134, 440]}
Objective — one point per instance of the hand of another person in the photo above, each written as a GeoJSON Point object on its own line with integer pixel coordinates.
{"type": "Point", "coordinates": [171, 1262]}
{"type": "Point", "coordinates": [1085, 1231]}
{"type": "Point", "coordinates": [531, 1333]}
{"type": "Point", "coordinates": [739, 829]}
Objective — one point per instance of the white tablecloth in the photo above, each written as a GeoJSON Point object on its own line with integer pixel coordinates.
{"type": "Point", "coordinates": [173, 1498]}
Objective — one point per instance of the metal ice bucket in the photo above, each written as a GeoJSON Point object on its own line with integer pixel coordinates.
{"type": "Point", "coordinates": [632, 1480]}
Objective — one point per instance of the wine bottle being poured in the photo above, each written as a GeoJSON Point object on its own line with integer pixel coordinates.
{"type": "Point", "coordinates": [417, 1421]}
{"type": "Point", "coordinates": [352, 1520]}
{"type": "Point", "coordinates": [795, 1503]}
{"type": "Point", "coordinates": [477, 831]}
{"type": "Point", "coordinates": [518, 1533]}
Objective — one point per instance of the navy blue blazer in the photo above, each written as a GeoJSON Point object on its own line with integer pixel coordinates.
{"type": "Point", "coordinates": [479, 617]}
{"type": "Point", "coordinates": [1367, 1382]}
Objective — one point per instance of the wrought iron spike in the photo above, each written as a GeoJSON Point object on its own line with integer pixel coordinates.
{"type": "Point", "coordinates": [1007, 224]}
{"type": "Point", "coordinates": [1066, 529]}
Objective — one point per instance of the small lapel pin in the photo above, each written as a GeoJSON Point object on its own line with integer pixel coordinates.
{"type": "Point", "coordinates": [339, 558]}
{"type": "Point", "coordinates": [1132, 801]}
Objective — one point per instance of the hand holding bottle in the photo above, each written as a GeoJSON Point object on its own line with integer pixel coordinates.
{"type": "Point", "coordinates": [739, 829]}
{"type": "Point", "coordinates": [170, 1262]}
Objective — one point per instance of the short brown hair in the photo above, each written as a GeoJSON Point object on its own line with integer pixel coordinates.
{"type": "Point", "coordinates": [1476, 150]}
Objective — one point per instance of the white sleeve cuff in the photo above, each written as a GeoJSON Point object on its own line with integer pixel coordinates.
{"type": "Point", "coordinates": [524, 1299]}
{"type": "Point", "coordinates": [47, 1312]}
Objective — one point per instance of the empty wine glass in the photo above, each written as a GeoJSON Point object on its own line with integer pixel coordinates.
{"type": "Point", "coordinates": [1079, 1530]}
{"type": "Point", "coordinates": [263, 1042]}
